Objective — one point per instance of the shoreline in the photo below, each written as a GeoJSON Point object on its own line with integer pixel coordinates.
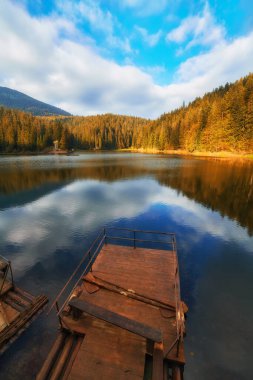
{"type": "Point", "coordinates": [179, 152]}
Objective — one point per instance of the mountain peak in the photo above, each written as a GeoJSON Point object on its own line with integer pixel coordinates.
{"type": "Point", "coordinates": [18, 100]}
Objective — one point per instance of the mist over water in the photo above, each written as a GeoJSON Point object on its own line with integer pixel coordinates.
{"type": "Point", "coordinates": [51, 208]}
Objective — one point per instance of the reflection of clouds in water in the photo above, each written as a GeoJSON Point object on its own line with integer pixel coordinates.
{"type": "Point", "coordinates": [186, 212]}
{"type": "Point", "coordinates": [50, 222]}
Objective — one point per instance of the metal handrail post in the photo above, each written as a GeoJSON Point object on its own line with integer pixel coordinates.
{"type": "Point", "coordinates": [12, 281]}
{"type": "Point", "coordinates": [4, 278]}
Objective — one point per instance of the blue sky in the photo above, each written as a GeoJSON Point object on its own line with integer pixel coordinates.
{"type": "Point", "coordinates": [134, 57]}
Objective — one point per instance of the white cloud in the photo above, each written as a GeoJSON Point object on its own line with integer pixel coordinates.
{"type": "Point", "coordinates": [198, 30]}
{"type": "Point", "coordinates": [149, 39]}
{"type": "Point", "coordinates": [44, 58]}
{"type": "Point", "coordinates": [226, 62]}
{"type": "Point", "coordinates": [146, 8]}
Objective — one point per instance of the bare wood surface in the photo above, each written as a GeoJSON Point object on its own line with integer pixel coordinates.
{"type": "Point", "coordinates": [19, 323]}
{"type": "Point", "coordinates": [118, 320]}
{"type": "Point", "coordinates": [44, 371]}
{"type": "Point", "coordinates": [3, 317]}
{"type": "Point", "coordinates": [176, 373]}
{"type": "Point", "coordinates": [63, 358]}
{"type": "Point", "coordinates": [157, 373]}
{"type": "Point", "coordinates": [4, 285]}
{"type": "Point", "coordinates": [110, 353]}
{"type": "Point", "coordinates": [19, 299]}
{"type": "Point", "coordinates": [9, 313]}
{"type": "Point", "coordinates": [3, 264]}
{"type": "Point", "coordinates": [119, 274]}
{"type": "Point", "coordinates": [99, 283]}
{"type": "Point", "coordinates": [72, 358]}
{"type": "Point", "coordinates": [148, 272]}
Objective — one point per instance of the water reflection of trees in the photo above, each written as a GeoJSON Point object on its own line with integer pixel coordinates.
{"type": "Point", "coordinates": [221, 185]}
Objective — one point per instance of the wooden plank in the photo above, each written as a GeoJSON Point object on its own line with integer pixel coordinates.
{"type": "Point", "coordinates": [117, 320]}
{"type": "Point", "coordinates": [157, 317]}
{"type": "Point", "coordinates": [73, 357]}
{"type": "Point", "coordinates": [5, 285]}
{"type": "Point", "coordinates": [90, 278]}
{"type": "Point", "coordinates": [11, 314]}
{"type": "Point", "coordinates": [3, 264]}
{"type": "Point", "coordinates": [47, 365]}
{"type": "Point", "coordinates": [18, 299]}
{"type": "Point", "coordinates": [157, 373]}
{"type": "Point", "coordinates": [125, 266]}
{"type": "Point", "coordinates": [98, 368]}
{"type": "Point", "coordinates": [57, 370]}
{"type": "Point", "coordinates": [176, 373]}
{"type": "Point", "coordinates": [20, 323]}
{"type": "Point", "coordinates": [109, 352]}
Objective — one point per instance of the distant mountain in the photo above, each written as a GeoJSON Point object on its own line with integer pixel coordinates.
{"type": "Point", "coordinates": [15, 99]}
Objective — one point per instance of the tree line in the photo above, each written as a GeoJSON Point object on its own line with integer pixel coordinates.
{"type": "Point", "coordinates": [220, 120]}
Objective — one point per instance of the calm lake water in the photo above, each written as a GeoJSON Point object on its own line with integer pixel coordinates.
{"type": "Point", "coordinates": [51, 208]}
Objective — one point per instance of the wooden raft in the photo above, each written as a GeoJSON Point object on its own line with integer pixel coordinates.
{"type": "Point", "coordinates": [17, 307]}
{"type": "Point", "coordinates": [125, 311]}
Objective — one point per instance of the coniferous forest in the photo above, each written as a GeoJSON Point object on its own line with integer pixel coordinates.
{"type": "Point", "coordinates": [221, 120]}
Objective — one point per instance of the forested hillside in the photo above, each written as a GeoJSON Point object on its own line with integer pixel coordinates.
{"type": "Point", "coordinates": [20, 131]}
{"type": "Point", "coordinates": [220, 121]}
{"type": "Point", "coordinates": [15, 99]}
{"type": "Point", "coordinates": [103, 131]}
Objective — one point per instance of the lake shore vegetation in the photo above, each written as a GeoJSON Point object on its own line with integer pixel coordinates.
{"type": "Point", "coordinates": [220, 123]}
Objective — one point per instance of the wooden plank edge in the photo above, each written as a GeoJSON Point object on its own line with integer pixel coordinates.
{"type": "Point", "coordinates": [12, 332]}
{"type": "Point", "coordinates": [131, 325]}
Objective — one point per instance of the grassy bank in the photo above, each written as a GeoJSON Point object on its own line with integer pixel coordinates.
{"type": "Point", "coordinates": [221, 154]}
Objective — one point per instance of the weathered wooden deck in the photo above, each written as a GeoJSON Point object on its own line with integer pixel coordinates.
{"type": "Point", "coordinates": [126, 308]}
{"type": "Point", "coordinates": [17, 307]}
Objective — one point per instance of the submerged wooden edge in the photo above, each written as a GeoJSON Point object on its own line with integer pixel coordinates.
{"type": "Point", "coordinates": [23, 320]}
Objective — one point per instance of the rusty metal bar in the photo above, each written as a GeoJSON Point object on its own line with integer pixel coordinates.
{"type": "Point", "coordinates": [12, 281]}
{"type": "Point", "coordinates": [171, 347]}
{"type": "Point", "coordinates": [73, 274]}
{"type": "Point", "coordinates": [146, 232]}
{"type": "Point", "coordinates": [138, 240]}
{"type": "Point", "coordinates": [4, 278]}
{"type": "Point", "coordinates": [83, 273]}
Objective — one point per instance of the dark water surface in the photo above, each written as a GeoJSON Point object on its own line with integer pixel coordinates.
{"type": "Point", "coordinates": [51, 208]}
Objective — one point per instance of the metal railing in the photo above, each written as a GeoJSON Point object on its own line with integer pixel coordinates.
{"type": "Point", "coordinates": [180, 320]}
{"type": "Point", "coordinates": [130, 237]}
{"type": "Point", "coordinates": [136, 239]}
{"type": "Point", "coordinates": [84, 266]}
{"type": "Point", "coordinates": [7, 272]}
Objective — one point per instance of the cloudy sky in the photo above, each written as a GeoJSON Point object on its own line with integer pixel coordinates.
{"type": "Point", "coordinates": [135, 57]}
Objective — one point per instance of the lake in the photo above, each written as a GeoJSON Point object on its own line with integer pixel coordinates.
{"type": "Point", "coordinates": [52, 207]}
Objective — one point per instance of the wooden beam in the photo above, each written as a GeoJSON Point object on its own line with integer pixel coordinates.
{"type": "Point", "coordinates": [117, 319]}
{"type": "Point", "coordinates": [45, 369]}
{"type": "Point", "coordinates": [91, 279]}
{"type": "Point", "coordinates": [157, 373]}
